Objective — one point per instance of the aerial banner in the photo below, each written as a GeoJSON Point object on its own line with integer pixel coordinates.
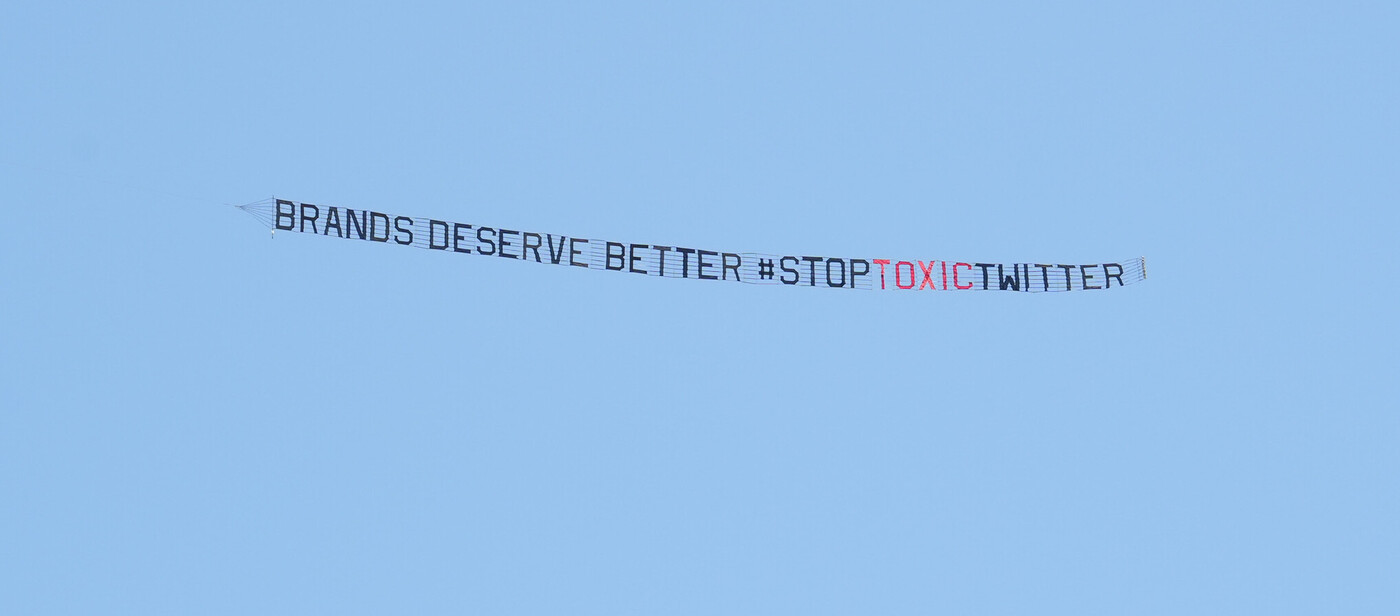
{"type": "Point", "coordinates": [874, 273]}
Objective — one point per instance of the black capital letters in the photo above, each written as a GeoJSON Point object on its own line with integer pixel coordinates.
{"type": "Point", "coordinates": [481, 239]}
{"type": "Point", "coordinates": [1068, 268]}
{"type": "Point", "coordinates": [700, 264]}
{"type": "Point", "coordinates": [685, 261]}
{"type": "Point", "coordinates": [290, 215]}
{"type": "Point", "coordinates": [724, 260]}
{"type": "Point", "coordinates": [573, 251]}
{"type": "Point", "coordinates": [433, 226]}
{"type": "Point", "coordinates": [661, 259]}
{"type": "Point", "coordinates": [620, 256]}
{"type": "Point", "coordinates": [1085, 277]}
{"type": "Point", "coordinates": [457, 237]}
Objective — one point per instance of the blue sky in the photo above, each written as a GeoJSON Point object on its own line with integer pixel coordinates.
{"type": "Point", "coordinates": [200, 419]}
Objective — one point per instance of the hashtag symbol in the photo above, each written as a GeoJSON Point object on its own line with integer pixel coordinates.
{"type": "Point", "coordinates": [765, 269]}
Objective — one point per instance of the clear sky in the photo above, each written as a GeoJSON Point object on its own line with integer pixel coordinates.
{"type": "Point", "coordinates": [198, 419]}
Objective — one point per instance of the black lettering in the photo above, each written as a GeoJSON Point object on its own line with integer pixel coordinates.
{"type": "Point", "coordinates": [634, 258]}
{"type": "Point", "coordinates": [290, 214]}
{"type": "Point", "coordinates": [555, 252]}
{"type": "Point", "coordinates": [783, 263]}
{"type": "Point", "coordinates": [356, 225]}
{"type": "Point", "coordinates": [481, 239]}
{"type": "Point", "coordinates": [661, 259]}
{"type": "Point", "coordinates": [502, 252]}
{"type": "Point", "coordinates": [398, 226]}
{"type": "Point", "coordinates": [526, 245]}
{"type": "Point", "coordinates": [700, 264]}
{"type": "Point", "coordinates": [985, 276]}
{"type": "Point", "coordinates": [333, 220]}
{"type": "Point", "coordinates": [1085, 277]}
{"type": "Point", "coordinates": [1044, 277]}
{"type": "Point", "coordinates": [1111, 276]}
{"type": "Point", "coordinates": [315, 211]}
{"type": "Point", "coordinates": [829, 282]}
{"type": "Point", "coordinates": [620, 256]}
{"type": "Point", "coordinates": [856, 272]}
{"type": "Point", "coordinates": [685, 260]}
{"type": "Point", "coordinates": [1068, 269]}
{"type": "Point", "coordinates": [374, 218]}
{"type": "Point", "coordinates": [574, 251]}
{"type": "Point", "coordinates": [724, 262]}
{"type": "Point", "coordinates": [1013, 281]}
{"type": "Point", "coordinates": [458, 238]}
{"type": "Point", "coordinates": [812, 270]}
{"type": "Point", "coordinates": [433, 226]}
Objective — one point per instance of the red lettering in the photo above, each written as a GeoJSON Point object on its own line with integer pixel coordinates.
{"type": "Point", "coordinates": [882, 263]}
{"type": "Point", "coordinates": [899, 284]}
{"type": "Point", "coordinates": [945, 275]}
{"type": "Point", "coordinates": [955, 275]}
{"type": "Point", "coordinates": [928, 276]}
